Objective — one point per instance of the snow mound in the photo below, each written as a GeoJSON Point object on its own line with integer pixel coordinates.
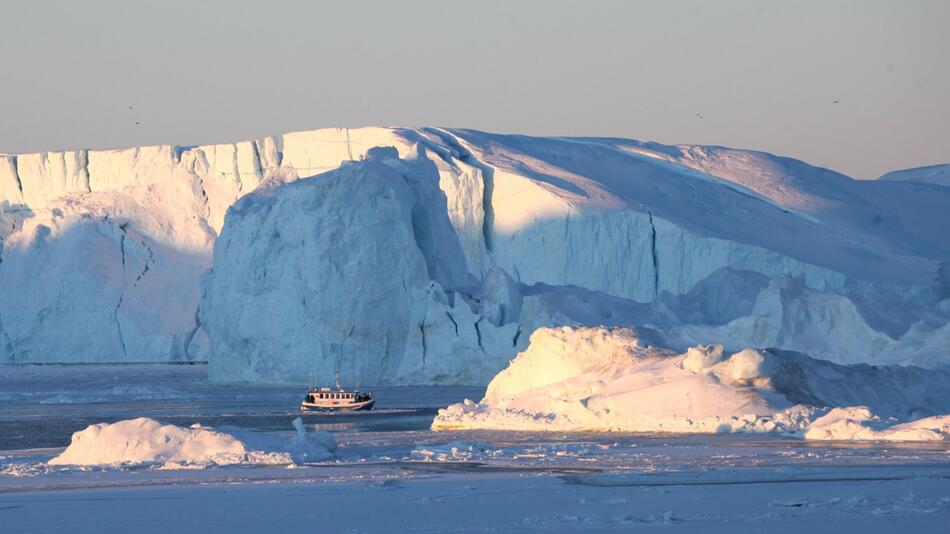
{"type": "Point", "coordinates": [146, 441]}
{"type": "Point", "coordinates": [603, 379]}
{"type": "Point", "coordinates": [858, 423]}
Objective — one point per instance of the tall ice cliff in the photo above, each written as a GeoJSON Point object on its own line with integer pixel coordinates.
{"type": "Point", "coordinates": [428, 255]}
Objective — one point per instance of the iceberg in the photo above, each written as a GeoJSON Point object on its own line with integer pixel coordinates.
{"type": "Point", "coordinates": [614, 380]}
{"type": "Point", "coordinates": [932, 174]}
{"type": "Point", "coordinates": [430, 255]}
{"type": "Point", "coordinates": [328, 274]}
{"type": "Point", "coordinates": [146, 441]}
{"type": "Point", "coordinates": [859, 423]}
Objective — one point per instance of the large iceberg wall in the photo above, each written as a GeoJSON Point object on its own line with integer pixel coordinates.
{"type": "Point", "coordinates": [103, 252]}
{"type": "Point", "coordinates": [337, 273]}
{"type": "Point", "coordinates": [105, 276]}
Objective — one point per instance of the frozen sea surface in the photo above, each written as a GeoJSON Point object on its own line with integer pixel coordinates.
{"type": "Point", "coordinates": [391, 473]}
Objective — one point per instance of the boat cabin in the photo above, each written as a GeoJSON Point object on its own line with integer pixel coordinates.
{"type": "Point", "coordinates": [316, 396]}
{"type": "Point", "coordinates": [328, 396]}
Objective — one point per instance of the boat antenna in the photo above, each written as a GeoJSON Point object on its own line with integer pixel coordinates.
{"type": "Point", "coordinates": [338, 381]}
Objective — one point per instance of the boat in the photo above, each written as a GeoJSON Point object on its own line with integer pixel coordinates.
{"type": "Point", "coordinates": [325, 399]}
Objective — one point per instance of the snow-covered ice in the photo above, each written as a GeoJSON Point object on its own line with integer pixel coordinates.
{"type": "Point", "coordinates": [933, 174]}
{"type": "Point", "coordinates": [601, 379]}
{"type": "Point", "coordinates": [486, 237]}
{"type": "Point", "coordinates": [720, 500]}
{"type": "Point", "coordinates": [144, 440]}
{"type": "Point", "coordinates": [858, 423]}
{"type": "Point", "coordinates": [640, 273]}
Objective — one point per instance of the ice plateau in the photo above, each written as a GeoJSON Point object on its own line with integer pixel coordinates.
{"type": "Point", "coordinates": [429, 255]}
{"type": "Point", "coordinates": [601, 379]}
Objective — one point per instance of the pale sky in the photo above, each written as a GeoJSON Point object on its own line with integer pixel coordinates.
{"type": "Point", "coordinates": [763, 75]}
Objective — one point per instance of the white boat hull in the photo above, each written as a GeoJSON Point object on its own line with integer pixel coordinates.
{"type": "Point", "coordinates": [337, 406]}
